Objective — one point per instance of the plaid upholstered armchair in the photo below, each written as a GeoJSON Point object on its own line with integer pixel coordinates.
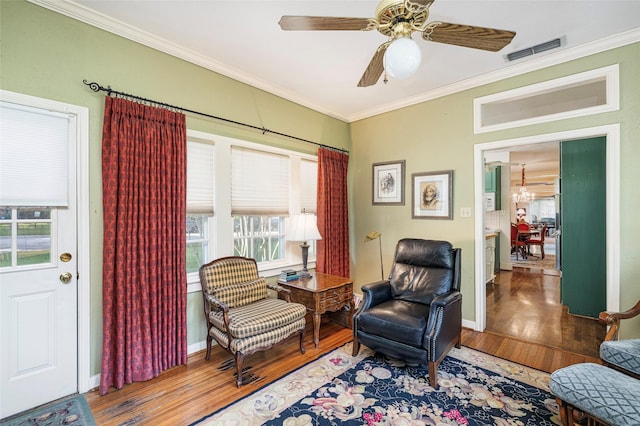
{"type": "Point", "coordinates": [240, 316]}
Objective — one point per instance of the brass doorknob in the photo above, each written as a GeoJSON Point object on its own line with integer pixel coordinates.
{"type": "Point", "coordinates": [66, 277]}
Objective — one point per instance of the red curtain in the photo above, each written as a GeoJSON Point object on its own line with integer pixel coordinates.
{"type": "Point", "coordinates": [332, 255]}
{"type": "Point", "coordinates": [144, 288]}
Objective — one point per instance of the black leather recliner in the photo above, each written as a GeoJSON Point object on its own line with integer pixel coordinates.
{"type": "Point", "coordinates": [415, 315]}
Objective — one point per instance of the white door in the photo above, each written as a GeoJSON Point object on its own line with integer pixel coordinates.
{"type": "Point", "coordinates": [38, 284]}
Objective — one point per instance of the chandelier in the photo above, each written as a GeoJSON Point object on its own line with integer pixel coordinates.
{"type": "Point", "coordinates": [523, 196]}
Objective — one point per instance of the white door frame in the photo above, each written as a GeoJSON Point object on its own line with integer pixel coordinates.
{"type": "Point", "coordinates": [612, 134]}
{"type": "Point", "coordinates": [84, 246]}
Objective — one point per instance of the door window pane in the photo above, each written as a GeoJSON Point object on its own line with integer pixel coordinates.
{"type": "Point", "coordinates": [5, 245]}
{"type": "Point", "coordinates": [25, 236]}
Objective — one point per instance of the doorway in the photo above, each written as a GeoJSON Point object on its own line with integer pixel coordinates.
{"type": "Point", "coordinates": [611, 133]}
{"type": "Point", "coordinates": [44, 271]}
{"type": "Point", "coordinates": [525, 304]}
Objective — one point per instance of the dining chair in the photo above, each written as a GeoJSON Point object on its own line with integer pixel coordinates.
{"type": "Point", "coordinates": [517, 244]}
{"type": "Point", "coordinates": [537, 242]}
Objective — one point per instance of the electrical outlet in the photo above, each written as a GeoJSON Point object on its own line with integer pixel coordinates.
{"type": "Point", "coordinates": [465, 212]}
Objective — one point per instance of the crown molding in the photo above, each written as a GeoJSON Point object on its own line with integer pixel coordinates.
{"type": "Point", "coordinates": [527, 65]}
{"type": "Point", "coordinates": [114, 26]}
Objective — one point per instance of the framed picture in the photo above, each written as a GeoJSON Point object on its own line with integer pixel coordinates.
{"type": "Point", "coordinates": [388, 183]}
{"type": "Point", "coordinates": [432, 195]}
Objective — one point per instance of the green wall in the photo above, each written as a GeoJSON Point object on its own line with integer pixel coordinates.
{"type": "Point", "coordinates": [438, 135]}
{"type": "Point", "coordinates": [46, 54]}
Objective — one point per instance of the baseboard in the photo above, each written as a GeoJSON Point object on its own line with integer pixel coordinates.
{"type": "Point", "coordinates": [197, 347]}
{"type": "Point", "coordinates": [94, 382]}
{"type": "Point", "coordinates": [469, 324]}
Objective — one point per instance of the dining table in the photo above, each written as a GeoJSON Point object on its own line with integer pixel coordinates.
{"type": "Point", "coordinates": [524, 235]}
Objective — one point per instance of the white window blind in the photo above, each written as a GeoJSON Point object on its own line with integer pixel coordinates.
{"type": "Point", "coordinates": [200, 178]}
{"type": "Point", "coordinates": [259, 183]}
{"type": "Point", "coordinates": [29, 175]}
{"type": "Point", "coordinates": [308, 185]}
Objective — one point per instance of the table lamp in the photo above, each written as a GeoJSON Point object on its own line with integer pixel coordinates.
{"type": "Point", "coordinates": [303, 228]}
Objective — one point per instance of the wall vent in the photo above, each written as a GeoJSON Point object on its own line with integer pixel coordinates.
{"type": "Point", "coordinates": [542, 47]}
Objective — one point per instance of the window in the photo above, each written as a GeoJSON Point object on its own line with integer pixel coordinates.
{"type": "Point", "coordinates": [25, 236]}
{"type": "Point", "coordinates": [32, 177]}
{"type": "Point", "coordinates": [197, 241]}
{"type": "Point", "coordinates": [260, 187]}
{"type": "Point", "coordinates": [586, 93]}
{"type": "Point", "coordinates": [255, 188]}
{"type": "Point", "coordinates": [259, 237]}
{"type": "Point", "coordinates": [200, 192]}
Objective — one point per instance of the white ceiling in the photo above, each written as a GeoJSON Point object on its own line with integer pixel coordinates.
{"type": "Point", "coordinates": [321, 69]}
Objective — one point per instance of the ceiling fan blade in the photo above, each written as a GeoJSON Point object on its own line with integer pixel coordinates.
{"type": "Point", "coordinates": [417, 6]}
{"type": "Point", "coordinates": [375, 68]}
{"type": "Point", "coordinates": [489, 39]}
{"type": "Point", "coordinates": [315, 23]}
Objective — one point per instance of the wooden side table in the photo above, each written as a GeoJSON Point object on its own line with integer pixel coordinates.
{"type": "Point", "coordinates": [322, 293]}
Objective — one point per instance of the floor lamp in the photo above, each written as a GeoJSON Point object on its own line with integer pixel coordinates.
{"type": "Point", "coordinates": [375, 235]}
{"type": "Point", "coordinates": [304, 228]}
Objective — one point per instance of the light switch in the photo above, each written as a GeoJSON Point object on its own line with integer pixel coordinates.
{"type": "Point", "coordinates": [465, 212]}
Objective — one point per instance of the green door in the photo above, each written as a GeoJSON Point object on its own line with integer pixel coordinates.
{"type": "Point", "coordinates": [583, 225]}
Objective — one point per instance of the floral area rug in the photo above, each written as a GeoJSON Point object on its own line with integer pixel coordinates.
{"type": "Point", "coordinates": [71, 410]}
{"type": "Point", "coordinates": [475, 389]}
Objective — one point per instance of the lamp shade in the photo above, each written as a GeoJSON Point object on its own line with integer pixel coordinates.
{"type": "Point", "coordinates": [303, 227]}
{"type": "Point", "coordinates": [402, 58]}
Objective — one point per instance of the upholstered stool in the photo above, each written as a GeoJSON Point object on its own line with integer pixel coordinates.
{"type": "Point", "coordinates": [623, 354]}
{"type": "Point", "coordinates": [598, 392]}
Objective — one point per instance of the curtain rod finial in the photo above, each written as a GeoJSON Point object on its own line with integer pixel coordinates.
{"type": "Point", "coordinates": [93, 85]}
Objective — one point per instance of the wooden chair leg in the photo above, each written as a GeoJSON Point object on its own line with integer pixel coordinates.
{"type": "Point", "coordinates": [208, 355]}
{"type": "Point", "coordinates": [433, 374]}
{"type": "Point", "coordinates": [302, 348]}
{"type": "Point", "coordinates": [356, 345]}
{"type": "Point", "coordinates": [564, 416]}
{"type": "Point", "coordinates": [239, 365]}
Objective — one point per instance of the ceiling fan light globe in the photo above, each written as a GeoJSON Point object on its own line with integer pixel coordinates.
{"type": "Point", "coordinates": [402, 58]}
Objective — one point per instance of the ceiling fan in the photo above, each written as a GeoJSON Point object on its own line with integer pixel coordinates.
{"type": "Point", "coordinates": [400, 56]}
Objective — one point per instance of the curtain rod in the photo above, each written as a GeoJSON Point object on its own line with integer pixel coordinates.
{"type": "Point", "coordinates": [96, 87]}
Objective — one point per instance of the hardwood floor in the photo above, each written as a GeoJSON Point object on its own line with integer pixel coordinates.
{"type": "Point", "coordinates": [525, 304]}
{"type": "Point", "coordinates": [185, 394]}
{"type": "Point", "coordinates": [539, 356]}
